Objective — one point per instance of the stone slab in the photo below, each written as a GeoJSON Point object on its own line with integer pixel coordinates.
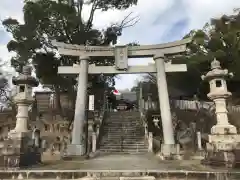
{"type": "Point", "coordinates": [128, 163]}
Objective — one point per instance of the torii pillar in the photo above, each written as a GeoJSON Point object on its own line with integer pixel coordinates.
{"type": "Point", "coordinates": [78, 144]}
{"type": "Point", "coordinates": [169, 147]}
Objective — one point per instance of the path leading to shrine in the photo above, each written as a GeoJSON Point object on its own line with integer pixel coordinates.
{"type": "Point", "coordinates": [137, 162]}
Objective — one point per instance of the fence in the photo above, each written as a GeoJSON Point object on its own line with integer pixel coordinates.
{"type": "Point", "coordinates": [190, 105]}
{"type": "Point", "coordinates": [194, 105]}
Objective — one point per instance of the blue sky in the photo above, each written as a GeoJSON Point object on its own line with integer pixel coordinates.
{"type": "Point", "coordinates": [160, 21]}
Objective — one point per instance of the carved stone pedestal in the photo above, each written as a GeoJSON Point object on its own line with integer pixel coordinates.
{"type": "Point", "coordinates": [223, 129]}
{"type": "Point", "coordinates": [20, 150]}
{"type": "Point", "coordinates": [222, 150]}
{"type": "Point", "coordinates": [220, 158]}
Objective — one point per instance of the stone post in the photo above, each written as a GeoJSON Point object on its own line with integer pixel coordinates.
{"type": "Point", "coordinates": [223, 139]}
{"type": "Point", "coordinates": [149, 101]}
{"type": "Point", "coordinates": [78, 144]}
{"type": "Point", "coordinates": [168, 147]}
{"type": "Point", "coordinates": [199, 140]}
{"type": "Point", "coordinates": [94, 142]}
{"type": "Point", "coordinates": [140, 99]}
{"type": "Point", "coordinates": [150, 142]}
{"type": "Point", "coordinates": [23, 147]}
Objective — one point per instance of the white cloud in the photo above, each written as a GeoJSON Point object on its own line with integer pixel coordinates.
{"type": "Point", "coordinates": [200, 11]}
{"type": "Point", "coordinates": [11, 8]}
{"type": "Point", "coordinates": [158, 19]}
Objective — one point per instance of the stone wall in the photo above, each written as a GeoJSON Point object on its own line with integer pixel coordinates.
{"type": "Point", "coordinates": [54, 131]}
{"type": "Point", "coordinates": [46, 101]}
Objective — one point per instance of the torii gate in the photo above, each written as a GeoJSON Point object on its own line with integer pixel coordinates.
{"type": "Point", "coordinates": [121, 55]}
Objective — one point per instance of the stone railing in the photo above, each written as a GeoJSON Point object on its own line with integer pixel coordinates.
{"type": "Point", "coordinates": [156, 141]}
{"type": "Point", "coordinates": [94, 129]}
{"type": "Point", "coordinates": [147, 135]}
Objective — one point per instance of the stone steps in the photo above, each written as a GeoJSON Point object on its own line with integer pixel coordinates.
{"type": "Point", "coordinates": [126, 132]}
{"type": "Point", "coordinates": [120, 124]}
{"type": "Point", "coordinates": [140, 143]}
{"type": "Point", "coordinates": [123, 147]}
{"type": "Point", "coordinates": [107, 128]}
{"type": "Point", "coordinates": [126, 140]}
{"type": "Point", "coordinates": [123, 136]}
{"type": "Point", "coordinates": [119, 141]}
{"type": "Point", "coordinates": [118, 150]}
{"type": "Point", "coordinates": [119, 136]}
{"type": "Point", "coordinates": [123, 144]}
{"type": "Point", "coordinates": [123, 133]}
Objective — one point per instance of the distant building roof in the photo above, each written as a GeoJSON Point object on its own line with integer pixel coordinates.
{"type": "Point", "coordinates": [130, 96]}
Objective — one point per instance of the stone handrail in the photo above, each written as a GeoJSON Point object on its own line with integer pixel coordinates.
{"type": "Point", "coordinates": [156, 144]}
{"type": "Point", "coordinates": [95, 129]}
{"type": "Point", "coordinates": [156, 141]}
{"type": "Point", "coordinates": [147, 135]}
{"type": "Point", "coordinates": [144, 124]}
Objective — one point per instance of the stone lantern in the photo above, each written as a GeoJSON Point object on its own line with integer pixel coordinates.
{"type": "Point", "coordinates": [223, 139]}
{"type": "Point", "coordinates": [20, 139]}
{"type": "Point", "coordinates": [23, 99]}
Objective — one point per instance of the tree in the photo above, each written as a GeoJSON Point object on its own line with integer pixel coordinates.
{"type": "Point", "coordinates": [221, 40]}
{"type": "Point", "coordinates": [4, 84]}
{"type": "Point", "coordinates": [6, 91]}
{"type": "Point", "coordinates": [62, 21]}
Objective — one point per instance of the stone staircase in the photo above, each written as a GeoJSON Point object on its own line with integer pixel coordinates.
{"type": "Point", "coordinates": [123, 132]}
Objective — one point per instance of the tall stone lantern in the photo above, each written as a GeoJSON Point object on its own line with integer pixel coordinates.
{"type": "Point", "coordinates": [23, 99]}
{"type": "Point", "coordinates": [21, 150]}
{"type": "Point", "coordinates": [223, 139]}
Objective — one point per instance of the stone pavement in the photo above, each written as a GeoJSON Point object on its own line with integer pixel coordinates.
{"type": "Point", "coordinates": [119, 167]}
{"type": "Point", "coordinates": [126, 162]}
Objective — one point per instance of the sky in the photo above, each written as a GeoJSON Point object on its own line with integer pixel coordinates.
{"type": "Point", "coordinates": [160, 21]}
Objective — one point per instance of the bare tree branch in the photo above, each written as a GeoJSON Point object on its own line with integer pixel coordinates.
{"type": "Point", "coordinates": [126, 22]}
{"type": "Point", "coordinates": [90, 19]}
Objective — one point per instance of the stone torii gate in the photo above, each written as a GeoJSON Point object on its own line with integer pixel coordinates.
{"type": "Point", "coordinates": [121, 55]}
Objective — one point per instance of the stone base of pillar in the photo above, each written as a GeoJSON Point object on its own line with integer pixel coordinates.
{"type": "Point", "coordinates": [170, 152]}
{"type": "Point", "coordinates": [20, 151]}
{"type": "Point", "coordinates": [76, 150]}
{"type": "Point", "coordinates": [223, 129]}
{"type": "Point", "coordinates": [198, 155]}
{"type": "Point", "coordinates": [223, 150]}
